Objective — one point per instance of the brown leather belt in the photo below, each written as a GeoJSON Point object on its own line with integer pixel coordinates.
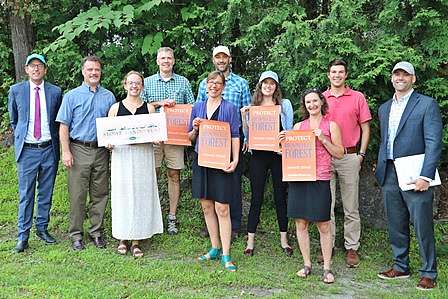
{"type": "Point", "coordinates": [92, 144]}
{"type": "Point", "coordinates": [350, 150]}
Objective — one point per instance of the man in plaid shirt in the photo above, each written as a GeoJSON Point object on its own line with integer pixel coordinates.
{"type": "Point", "coordinates": [168, 88]}
{"type": "Point", "coordinates": [236, 91]}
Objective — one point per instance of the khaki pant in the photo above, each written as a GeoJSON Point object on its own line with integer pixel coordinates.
{"type": "Point", "coordinates": [173, 155]}
{"type": "Point", "coordinates": [88, 175]}
{"type": "Point", "coordinates": [346, 171]}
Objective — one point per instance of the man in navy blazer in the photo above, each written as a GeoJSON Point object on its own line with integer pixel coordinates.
{"type": "Point", "coordinates": [33, 105]}
{"type": "Point", "coordinates": [410, 124]}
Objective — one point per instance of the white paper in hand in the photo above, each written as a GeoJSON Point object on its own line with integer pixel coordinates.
{"type": "Point", "coordinates": [408, 170]}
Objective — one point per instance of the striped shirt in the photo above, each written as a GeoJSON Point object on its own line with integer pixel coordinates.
{"type": "Point", "coordinates": [396, 111]}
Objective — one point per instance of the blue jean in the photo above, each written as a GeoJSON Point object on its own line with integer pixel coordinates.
{"type": "Point", "coordinates": [35, 165]}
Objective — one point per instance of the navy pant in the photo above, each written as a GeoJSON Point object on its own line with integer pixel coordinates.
{"type": "Point", "coordinates": [35, 165]}
{"type": "Point", "coordinates": [404, 208]}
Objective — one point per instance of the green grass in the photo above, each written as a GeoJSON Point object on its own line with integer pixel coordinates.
{"type": "Point", "coordinates": [169, 268]}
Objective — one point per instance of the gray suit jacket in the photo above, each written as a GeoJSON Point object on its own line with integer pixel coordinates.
{"type": "Point", "coordinates": [19, 113]}
{"type": "Point", "coordinates": [419, 132]}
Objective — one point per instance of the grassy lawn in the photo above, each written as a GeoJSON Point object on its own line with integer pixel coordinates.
{"type": "Point", "coordinates": [169, 268]}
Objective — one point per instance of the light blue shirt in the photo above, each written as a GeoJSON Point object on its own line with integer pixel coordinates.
{"type": "Point", "coordinates": [81, 107]}
{"type": "Point", "coordinates": [396, 111]}
{"type": "Point", "coordinates": [236, 91]}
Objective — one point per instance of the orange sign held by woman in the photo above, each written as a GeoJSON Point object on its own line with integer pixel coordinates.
{"type": "Point", "coordinates": [299, 156]}
{"type": "Point", "coordinates": [264, 126]}
{"type": "Point", "coordinates": [214, 144]}
{"type": "Point", "coordinates": [177, 120]}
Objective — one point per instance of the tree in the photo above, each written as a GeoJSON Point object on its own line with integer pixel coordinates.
{"type": "Point", "coordinates": [22, 35]}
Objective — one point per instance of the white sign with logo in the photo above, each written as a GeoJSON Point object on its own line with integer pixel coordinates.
{"type": "Point", "coordinates": [131, 129]}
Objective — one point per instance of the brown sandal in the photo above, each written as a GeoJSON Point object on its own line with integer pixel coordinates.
{"type": "Point", "coordinates": [136, 251]}
{"type": "Point", "coordinates": [304, 272]}
{"type": "Point", "coordinates": [325, 277]}
{"type": "Point", "coordinates": [122, 248]}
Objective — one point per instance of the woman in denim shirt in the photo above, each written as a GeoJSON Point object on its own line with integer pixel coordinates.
{"type": "Point", "coordinates": [267, 93]}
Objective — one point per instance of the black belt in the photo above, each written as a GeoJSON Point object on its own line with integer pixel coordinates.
{"type": "Point", "coordinates": [38, 145]}
{"type": "Point", "coordinates": [92, 144]}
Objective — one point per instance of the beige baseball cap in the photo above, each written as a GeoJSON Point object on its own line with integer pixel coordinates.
{"type": "Point", "coordinates": [221, 49]}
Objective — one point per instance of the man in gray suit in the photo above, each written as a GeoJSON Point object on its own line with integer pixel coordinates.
{"type": "Point", "coordinates": [33, 105]}
{"type": "Point", "coordinates": [410, 124]}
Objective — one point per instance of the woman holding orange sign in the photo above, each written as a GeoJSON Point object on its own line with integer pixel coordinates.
{"type": "Point", "coordinates": [214, 186]}
{"type": "Point", "coordinates": [267, 94]}
{"type": "Point", "coordinates": [311, 201]}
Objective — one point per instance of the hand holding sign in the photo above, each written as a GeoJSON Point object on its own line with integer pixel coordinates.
{"type": "Point", "coordinates": [298, 156]}
{"type": "Point", "coordinates": [214, 144]}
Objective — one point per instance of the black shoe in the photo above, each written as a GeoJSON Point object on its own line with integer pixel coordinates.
{"type": "Point", "coordinates": [21, 246]}
{"type": "Point", "coordinates": [204, 232]}
{"type": "Point", "coordinates": [288, 251]}
{"type": "Point", "coordinates": [78, 245]}
{"type": "Point", "coordinates": [45, 236]}
{"type": "Point", "coordinates": [98, 241]}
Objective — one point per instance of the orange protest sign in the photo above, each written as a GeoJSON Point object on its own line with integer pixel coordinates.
{"type": "Point", "coordinates": [264, 126]}
{"type": "Point", "coordinates": [214, 144]}
{"type": "Point", "coordinates": [177, 120]}
{"type": "Point", "coordinates": [299, 156]}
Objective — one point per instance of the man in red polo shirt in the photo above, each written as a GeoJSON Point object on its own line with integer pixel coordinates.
{"type": "Point", "coordinates": [349, 109]}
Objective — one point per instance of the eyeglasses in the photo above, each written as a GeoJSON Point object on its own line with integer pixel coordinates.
{"type": "Point", "coordinates": [214, 83]}
{"type": "Point", "coordinates": [37, 66]}
{"type": "Point", "coordinates": [136, 83]}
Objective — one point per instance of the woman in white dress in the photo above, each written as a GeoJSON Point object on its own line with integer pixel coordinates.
{"type": "Point", "coordinates": [136, 212]}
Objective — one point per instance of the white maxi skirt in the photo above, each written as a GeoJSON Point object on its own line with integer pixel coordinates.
{"type": "Point", "coordinates": [136, 212]}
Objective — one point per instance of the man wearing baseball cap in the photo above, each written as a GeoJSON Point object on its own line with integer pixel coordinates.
{"type": "Point", "coordinates": [410, 125]}
{"type": "Point", "coordinates": [33, 105]}
{"type": "Point", "coordinates": [236, 91]}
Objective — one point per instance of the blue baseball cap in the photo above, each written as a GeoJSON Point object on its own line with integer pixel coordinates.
{"type": "Point", "coordinates": [269, 74]}
{"type": "Point", "coordinates": [39, 57]}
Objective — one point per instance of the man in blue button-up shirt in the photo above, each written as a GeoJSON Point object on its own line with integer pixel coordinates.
{"type": "Point", "coordinates": [236, 91]}
{"type": "Point", "coordinates": [88, 165]}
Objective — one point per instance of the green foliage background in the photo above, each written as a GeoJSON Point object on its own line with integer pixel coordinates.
{"type": "Point", "coordinates": [296, 39]}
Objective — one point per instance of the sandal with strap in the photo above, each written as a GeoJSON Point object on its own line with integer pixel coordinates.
{"type": "Point", "coordinates": [212, 254]}
{"type": "Point", "coordinates": [328, 277]}
{"type": "Point", "coordinates": [122, 248]}
{"type": "Point", "coordinates": [304, 272]}
{"type": "Point", "coordinates": [228, 264]}
{"type": "Point", "coordinates": [136, 251]}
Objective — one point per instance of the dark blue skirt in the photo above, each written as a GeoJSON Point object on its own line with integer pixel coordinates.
{"type": "Point", "coordinates": [212, 184]}
{"type": "Point", "coordinates": [309, 200]}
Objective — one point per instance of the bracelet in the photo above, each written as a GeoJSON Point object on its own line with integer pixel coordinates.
{"type": "Point", "coordinates": [362, 154]}
{"type": "Point", "coordinates": [324, 141]}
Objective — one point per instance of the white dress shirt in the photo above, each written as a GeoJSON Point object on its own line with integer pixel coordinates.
{"type": "Point", "coordinates": [44, 127]}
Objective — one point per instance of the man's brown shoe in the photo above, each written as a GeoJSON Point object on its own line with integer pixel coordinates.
{"type": "Point", "coordinates": [426, 284]}
{"type": "Point", "coordinates": [393, 274]}
{"type": "Point", "coordinates": [352, 258]}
